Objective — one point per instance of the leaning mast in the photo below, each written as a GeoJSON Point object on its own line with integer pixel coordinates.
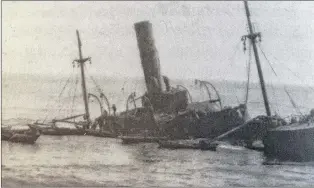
{"type": "Point", "coordinates": [252, 36]}
{"type": "Point", "coordinates": [81, 62]}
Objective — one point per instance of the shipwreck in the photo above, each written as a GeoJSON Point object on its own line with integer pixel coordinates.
{"type": "Point", "coordinates": [167, 110]}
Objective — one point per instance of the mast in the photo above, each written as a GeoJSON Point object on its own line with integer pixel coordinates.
{"type": "Point", "coordinates": [252, 36]}
{"type": "Point", "coordinates": [81, 62]}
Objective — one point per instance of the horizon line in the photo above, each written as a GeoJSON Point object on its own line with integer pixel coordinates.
{"type": "Point", "coordinates": [173, 78]}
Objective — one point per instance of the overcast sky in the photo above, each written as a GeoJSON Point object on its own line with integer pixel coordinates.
{"type": "Point", "coordinates": [194, 39]}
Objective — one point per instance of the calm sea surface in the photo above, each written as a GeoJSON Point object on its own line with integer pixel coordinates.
{"type": "Point", "coordinates": [91, 161]}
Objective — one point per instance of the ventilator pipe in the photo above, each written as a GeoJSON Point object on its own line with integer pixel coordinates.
{"type": "Point", "coordinates": [131, 96]}
{"type": "Point", "coordinates": [103, 96]}
{"type": "Point", "coordinates": [204, 83]}
{"type": "Point", "coordinates": [98, 100]}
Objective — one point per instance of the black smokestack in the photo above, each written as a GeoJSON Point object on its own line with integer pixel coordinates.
{"type": "Point", "coordinates": [149, 56]}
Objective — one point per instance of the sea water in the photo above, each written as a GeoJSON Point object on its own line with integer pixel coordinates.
{"type": "Point", "coordinates": [91, 161]}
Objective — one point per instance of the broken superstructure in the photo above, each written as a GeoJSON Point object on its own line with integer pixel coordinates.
{"type": "Point", "coordinates": [167, 111]}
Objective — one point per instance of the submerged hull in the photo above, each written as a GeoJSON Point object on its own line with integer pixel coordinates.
{"type": "Point", "coordinates": [203, 125]}
{"type": "Point", "coordinates": [62, 132]}
{"type": "Point", "coordinates": [97, 133]}
{"type": "Point", "coordinates": [290, 143]}
{"type": "Point", "coordinates": [6, 136]}
{"type": "Point", "coordinates": [51, 129]}
{"type": "Point", "coordinates": [26, 139]}
{"type": "Point", "coordinates": [19, 136]}
{"type": "Point", "coordinates": [188, 124]}
{"type": "Point", "coordinates": [140, 139]}
{"type": "Point", "coordinates": [78, 132]}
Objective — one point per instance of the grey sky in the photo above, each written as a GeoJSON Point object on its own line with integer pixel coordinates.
{"type": "Point", "coordinates": [194, 39]}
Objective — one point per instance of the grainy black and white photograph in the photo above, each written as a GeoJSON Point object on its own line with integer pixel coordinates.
{"type": "Point", "coordinates": [157, 94]}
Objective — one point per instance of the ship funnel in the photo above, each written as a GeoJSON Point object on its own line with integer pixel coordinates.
{"type": "Point", "coordinates": [149, 56]}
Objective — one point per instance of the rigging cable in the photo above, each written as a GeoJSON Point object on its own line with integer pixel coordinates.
{"type": "Point", "coordinates": [267, 60]}
{"type": "Point", "coordinates": [96, 84]}
{"type": "Point", "coordinates": [73, 88]}
{"type": "Point", "coordinates": [59, 96]}
{"type": "Point", "coordinates": [66, 83]}
{"type": "Point", "coordinates": [290, 98]}
{"type": "Point", "coordinates": [294, 74]}
{"type": "Point", "coordinates": [248, 82]}
{"type": "Point", "coordinates": [231, 62]}
{"type": "Point", "coordinates": [102, 93]}
{"type": "Point", "coordinates": [275, 96]}
{"type": "Point", "coordinates": [231, 59]}
{"type": "Point", "coordinates": [74, 95]}
{"type": "Point", "coordinates": [94, 81]}
{"type": "Point", "coordinates": [271, 84]}
{"type": "Point", "coordinates": [62, 104]}
{"type": "Point", "coordinates": [48, 105]}
{"type": "Point", "coordinates": [292, 102]}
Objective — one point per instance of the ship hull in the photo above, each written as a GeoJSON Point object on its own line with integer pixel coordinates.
{"type": "Point", "coordinates": [98, 133]}
{"type": "Point", "coordinates": [189, 124]}
{"type": "Point", "coordinates": [19, 136]}
{"type": "Point", "coordinates": [140, 139]}
{"type": "Point", "coordinates": [290, 143]}
{"type": "Point", "coordinates": [62, 132]}
{"type": "Point", "coordinates": [26, 139]}
{"type": "Point", "coordinates": [203, 125]}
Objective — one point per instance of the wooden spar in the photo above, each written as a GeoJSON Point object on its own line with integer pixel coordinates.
{"type": "Point", "coordinates": [228, 132]}
{"type": "Point", "coordinates": [71, 122]}
{"type": "Point", "coordinates": [81, 63]}
{"type": "Point", "coordinates": [67, 118]}
{"type": "Point", "coordinates": [252, 37]}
